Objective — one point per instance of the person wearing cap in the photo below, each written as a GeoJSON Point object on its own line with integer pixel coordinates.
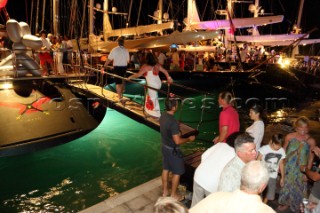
{"type": "Point", "coordinates": [44, 53]}
{"type": "Point", "coordinates": [120, 57]}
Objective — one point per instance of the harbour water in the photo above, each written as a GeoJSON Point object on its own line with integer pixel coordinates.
{"type": "Point", "coordinates": [119, 155]}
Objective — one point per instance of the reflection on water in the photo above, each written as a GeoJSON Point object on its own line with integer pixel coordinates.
{"type": "Point", "coordinates": [117, 156]}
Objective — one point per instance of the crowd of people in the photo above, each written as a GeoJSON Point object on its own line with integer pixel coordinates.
{"type": "Point", "coordinates": [236, 170]}
{"type": "Point", "coordinates": [180, 60]}
{"type": "Point", "coordinates": [56, 51]}
{"type": "Point", "coordinates": [309, 65]}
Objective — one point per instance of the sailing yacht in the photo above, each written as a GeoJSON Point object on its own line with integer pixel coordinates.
{"type": "Point", "coordinates": [193, 22]}
{"type": "Point", "coordinates": [103, 43]}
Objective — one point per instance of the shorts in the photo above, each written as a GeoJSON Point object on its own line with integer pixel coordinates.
{"type": "Point", "coordinates": [172, 161]}
{"type": "Point", "coordinates": [121, 71]}
{"type": "Point", "coordinates": [45, 57]}
{"type": "Point", "coordinates": [271, 189]}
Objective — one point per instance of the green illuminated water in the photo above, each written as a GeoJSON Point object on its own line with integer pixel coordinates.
{"type": "Point", "coordinates": [120, 154]}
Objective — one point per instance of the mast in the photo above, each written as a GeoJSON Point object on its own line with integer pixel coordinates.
{"type": "Point", "coordinates": [43, 13]}
{"type": "Point", "coordinates": [91, 3]}
{"type": "Point", "coordinates": [295, 50]}
{"type": "Point", "coordinates": [256, 14]}
{"type": "Point", "coordinates": [37, 17]}
{"type": "Point", "coordinates": [56, 17]}
{"type": "Point", "coordinates": [83, 18]}
{"type": "Point", "coordinates": [300, 13]}
{"type": "Point", "coordinates": [52, 17]}
{"type": "Point", "coordinates": [31, 12]}
{"type": "Point", "coordinates": [192, 14]}
{"type": "Point", "coordinates": [160, 9]}
{"type": "Point", "coordinates": [229, 16]}
{"type": "Point", "coordinates": [129, 16]}
{"type": "Point", "coordinates": [139, 13]}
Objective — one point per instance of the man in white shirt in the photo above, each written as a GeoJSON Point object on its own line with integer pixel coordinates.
{"type": "Point", "coordinates": [207, 174]}
{"type": "Point", "coordinates": [120, 57]}
{"type": "Point", "coordinates": [44, 54]}
{"type": "Point", "coordinates": [254, 179]}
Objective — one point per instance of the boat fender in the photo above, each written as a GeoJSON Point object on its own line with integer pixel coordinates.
{"type": "Point", "coordinates": [32, 41]}
{"type": "Point", "coordinates": [14, 30]}
{"type": "Point", "coordinates": [25, 29]}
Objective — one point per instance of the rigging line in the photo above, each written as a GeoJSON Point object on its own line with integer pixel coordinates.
{"type": "Point", "coordinates": [235, 41]}
{"type": "Point", "coordinates": [171, 6]}
{"type": "Point", "coordinates": [140, 6]}
{"type": "Point", "coordinates": [202, 114]}
{"type": "Point", "coordinates": [212, 10]}
{"type": "Point", "coordinates": [178, 10]}
{"type": "Point", "coordinates": [37, 17]}
{"type": "Point", "coordinates": [129, 15]}
{"type": "Point", "coordinates": [83, 18]}
{"type": "Point", "coordinates": [205, 8]}
{"type": "Point", "coordinates": [192, 89]}
{"type": "Point", "coordinates": [26, 11]}
{"type": "Point", "coordinates": [31, 17]}
{"type": "Point", "coordinates": [281, 5]}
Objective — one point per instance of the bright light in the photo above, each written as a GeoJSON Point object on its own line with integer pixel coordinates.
{"type": "Point", "coordinates": [284, 63]}
{"type": "Point", "coordinates": [6, 85]}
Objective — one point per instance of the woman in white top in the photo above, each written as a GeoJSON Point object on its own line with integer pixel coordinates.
{"type": "Point", "coordinates": [150, 71]}
{"type": "Point", "coordinates": [59, 47]}
{"type": "Point", "coordinates": [256, 130]}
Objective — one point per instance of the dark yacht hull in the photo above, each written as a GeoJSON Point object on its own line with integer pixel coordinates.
{"type": "Point", "coordinates": [38, 114]}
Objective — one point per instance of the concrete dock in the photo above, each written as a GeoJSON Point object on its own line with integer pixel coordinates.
{"type": "Point", "coordinates": [138, 199]}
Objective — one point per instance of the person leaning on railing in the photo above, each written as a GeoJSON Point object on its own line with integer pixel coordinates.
{"type": "Point", "coordinates": [150, 71]}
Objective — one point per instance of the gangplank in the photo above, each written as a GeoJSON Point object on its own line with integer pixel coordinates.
{"type": "Point", "coordinates": [131, 109]}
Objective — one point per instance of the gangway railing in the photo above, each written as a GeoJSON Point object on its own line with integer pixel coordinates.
{"type": "Point", "coordinates": [102, 82]}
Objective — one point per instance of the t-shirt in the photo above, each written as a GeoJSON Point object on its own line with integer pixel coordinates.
{"type": "Point", "coordinates": [256, 130]}
{"type": "Point", "coordinates": [229, 117]}
{"type": "Point", "coordinates": [46, 42]}
{"type": "Point", "coordinates": [169, 126]}
{"type": "Point", "coordinates": [272, 159]}
{"type": "Point", "coordinates": [120, 56]}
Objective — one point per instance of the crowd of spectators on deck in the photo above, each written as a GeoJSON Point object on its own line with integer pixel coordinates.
{"type": "Point", "coordinates": [180, 60]}
{"type": "Point", "coordinates": [308, 64]}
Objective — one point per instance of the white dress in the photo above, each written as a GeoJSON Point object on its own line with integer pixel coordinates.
{"type": "Point", "coordinates": [256, 130]}
{"type": "Point", "coordinates": [151, 102]}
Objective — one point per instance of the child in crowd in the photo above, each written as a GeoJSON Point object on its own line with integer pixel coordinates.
{"type": "Point", "coordinates": [273, 154]}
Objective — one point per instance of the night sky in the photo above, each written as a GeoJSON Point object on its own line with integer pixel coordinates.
{"type": "Point", "coordinates": [20, 10]}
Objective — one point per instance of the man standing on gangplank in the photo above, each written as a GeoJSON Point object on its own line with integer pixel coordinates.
{"type": "Point", "coordinates": [120, 57]}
